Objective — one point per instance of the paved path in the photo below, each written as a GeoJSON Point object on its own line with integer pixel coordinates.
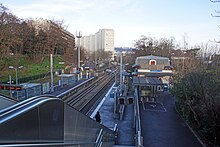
{"type": "Point", "coordinates": [125, 126]}
{"type": "Point", "coordinates": [163, 127]}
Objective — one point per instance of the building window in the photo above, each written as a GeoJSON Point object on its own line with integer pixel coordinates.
{"type": "Point", "coordinates": [159, 88]}
{"type": "Point", "coordinates": [152, 62]}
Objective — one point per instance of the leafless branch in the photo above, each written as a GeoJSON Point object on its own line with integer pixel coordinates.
{"type": "Point", "coordinates": [215, 1]}
{"type": "Point", "coordinates": [217, 11]}
{"type": "Point", "coordinates": [215, 15]}
{"type": "Point", "coordinates": [215, 41]}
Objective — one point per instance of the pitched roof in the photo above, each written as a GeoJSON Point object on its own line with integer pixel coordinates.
{"type": "Point", "coordinates": [151, 57]}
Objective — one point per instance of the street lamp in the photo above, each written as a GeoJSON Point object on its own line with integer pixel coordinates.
{"type": "Point", "coordinates": [16, 72]}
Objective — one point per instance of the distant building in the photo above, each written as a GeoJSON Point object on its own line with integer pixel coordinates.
{"type": "Point", "coordinates": [155, 66]}
{"type": "Point", "coordinates": [88, 42]}
{"type": "Point", "coordinates": [47, 25]}
{"type": "Point", "coordinates": [126, 50]}
{"type": "Point", "coordinates": [152, 62]}
{"type": "Point", "coordinates": [40, 24]}
{"type": "Point", "coordinates": [60, 40]}
{"type": "Point", "coordinates": [101, 40]}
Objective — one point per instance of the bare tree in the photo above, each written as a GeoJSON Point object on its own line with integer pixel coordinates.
{"type": "Point", "coordinates": [150, 46]}
{"type": "Point", "coordinates": [9, 34]}
{"type": "Point", "coordinates": [215, 1]}
{"type": "Point", "coordinates": [33, 39]}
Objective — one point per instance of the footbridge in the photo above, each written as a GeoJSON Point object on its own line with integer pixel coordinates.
{"type": "Point", "coordinates": [48, 121]}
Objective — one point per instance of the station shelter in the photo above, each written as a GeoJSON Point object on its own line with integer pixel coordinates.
{"type": "Point", "coordinates": [149, 89]}
{"type": "Point", "coordinates": [28, 90]}
{"type": "Point", "coordinates": [67, 79]}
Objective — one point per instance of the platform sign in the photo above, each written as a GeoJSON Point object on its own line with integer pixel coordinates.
{"type": "Point", "coordinates": [155, 70]}
{"type": "Point", "coordinates": [112, 95]}
{"type": "Point", "coordinates": [165, 87]}
{"type": "Point", "coordinates": [1, 87]}
{"type": "Point", "coordinates": [10, 87]}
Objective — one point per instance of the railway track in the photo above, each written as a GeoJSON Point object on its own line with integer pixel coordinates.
{"type": "Point", "coordinates": [86, 97]}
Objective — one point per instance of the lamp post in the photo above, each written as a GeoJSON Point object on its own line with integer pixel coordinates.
{"type": "Point", "coordinates": [16, 73]}
{"type": "Point", "coordinates": [78, 35]}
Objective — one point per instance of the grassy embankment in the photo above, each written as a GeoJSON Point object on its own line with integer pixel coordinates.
{"type": "Point", "coordinates": [30, 69]}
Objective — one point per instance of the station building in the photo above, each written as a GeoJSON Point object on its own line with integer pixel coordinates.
{"type": "Point", "coordinates": [153, 66]}
{"type": "Point", "coordinates": [152, 75]}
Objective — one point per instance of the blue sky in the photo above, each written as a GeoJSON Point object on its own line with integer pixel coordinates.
{"type": "Point", "coordinates": [129, 18]}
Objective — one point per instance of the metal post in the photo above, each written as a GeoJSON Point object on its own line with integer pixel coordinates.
{"type": "Point", "coordinates": [51, 73]}
{"type": "Point", "coordinates": [10, 85]}
{"type": "Point", "coordinates": [16, 74]}
{"type": "Point", "coordinates": [78, 35]}
{"type": "Point", "coordinates": [78, 55]}
{"type": "Point", "coordinates": [121, 73]}
{"type": "Point", "coordinates": [115, 77]}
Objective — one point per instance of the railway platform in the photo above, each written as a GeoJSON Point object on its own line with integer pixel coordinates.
{"type": "Point", "coordinates": [125, 136]}
{"type": "Point", "coordinates": [162, 126]}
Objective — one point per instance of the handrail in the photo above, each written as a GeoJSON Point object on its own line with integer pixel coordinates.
{"type": "Point", "coordinates": [139, 138]}
{"type": "Point", "coordinates": [115, 128]}
{"type": "Point", "coordinates": [138, 112]}
{"type": "Point", "coordinates": [121, 111]}
{"type": "Point", "coordinates": [22, 108]}
{"type": "Point", "coordinates": [18, 104]}
{"type": "Point", "coordinates": [69, 143]}
{"type": "Point", "coordinates": [99, 139]}
{"type": "Point", "coordinates": [24, 102]}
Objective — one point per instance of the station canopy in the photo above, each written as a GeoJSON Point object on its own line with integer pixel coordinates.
{"type": "Point", "coordinates": [143, 81]}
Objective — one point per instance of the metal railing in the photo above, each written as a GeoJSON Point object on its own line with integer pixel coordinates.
{"type": "Point", "coordinates": [121, 111]}
{"type": "Point", "coordinates": [139, 138]}
{"type": "Point", "coordinates": [99, 139]}
{"type": "Point", "coordinates": [52, 144]}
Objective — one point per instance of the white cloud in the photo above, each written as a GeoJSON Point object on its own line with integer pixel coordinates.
{"type": "Point", "coordinates": [129, 18]}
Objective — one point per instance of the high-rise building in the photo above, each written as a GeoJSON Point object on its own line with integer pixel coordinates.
{"type": "Point", "coordinates": [107, 39]}
{"type": "Point", "coordinates": [101, 40]}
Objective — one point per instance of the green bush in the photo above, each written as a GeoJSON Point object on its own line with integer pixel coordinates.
{"type": "Point", "coordinates": [197, 100]}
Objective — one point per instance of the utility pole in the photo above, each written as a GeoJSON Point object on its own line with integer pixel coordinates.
{"type": "Point", "coordinates": [121, 84]}
{"type": "Point", "coordinates": [95, 58]}
{"type": "Point", "coordinates": [51, 72]}
{"type": "Point", "coordinates": [10, 85]}
{"type": "Point", "coordinates": [78, 35]}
